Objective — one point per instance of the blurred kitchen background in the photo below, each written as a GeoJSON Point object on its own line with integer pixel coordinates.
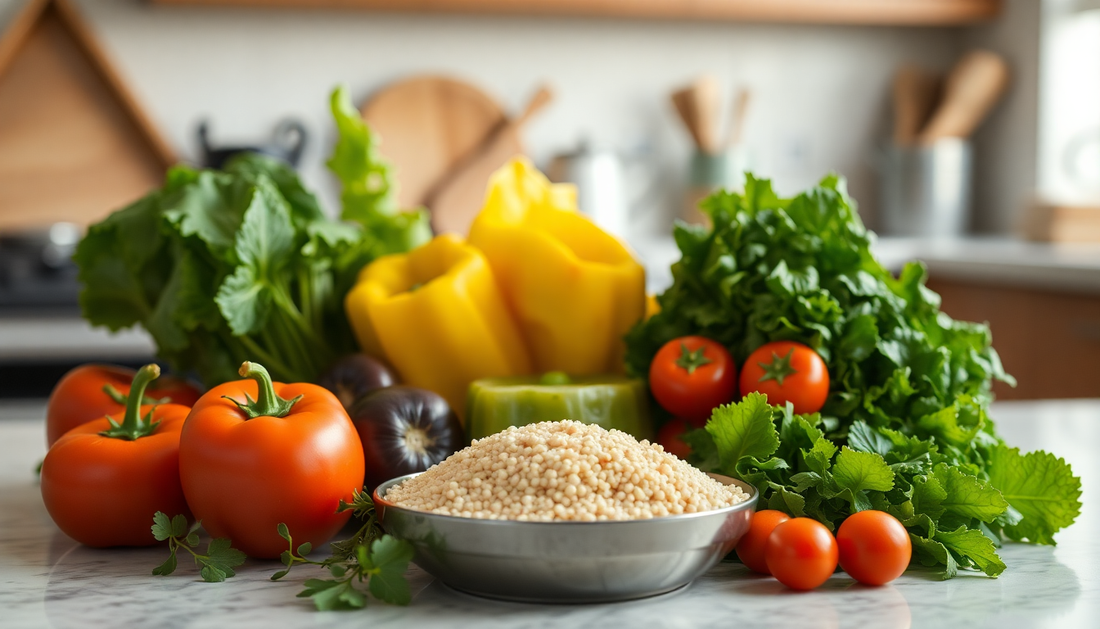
{"type": "Point", "coordinates": [984, 164]}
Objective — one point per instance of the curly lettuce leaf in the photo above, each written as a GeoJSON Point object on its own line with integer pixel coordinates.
{"type": "Point", "coordinates": [369, 193]}
{"type": "Point", "coordinates": [905, 428]}
{"type": "Point", "coordinates": [1041, 487]}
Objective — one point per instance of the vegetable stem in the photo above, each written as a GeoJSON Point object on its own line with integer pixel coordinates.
{"type": "Point", "coordinates": [268, 403]}
{"type": "Point", "coordinates": [133, 426]}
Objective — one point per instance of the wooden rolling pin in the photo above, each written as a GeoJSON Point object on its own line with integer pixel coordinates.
{"type": "Point", "coordinates": [974, 86]}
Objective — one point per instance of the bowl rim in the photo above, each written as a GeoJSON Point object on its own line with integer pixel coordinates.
{"type": "Point", "coordinates": [750, 503]}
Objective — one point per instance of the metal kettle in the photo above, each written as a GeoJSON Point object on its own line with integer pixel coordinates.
{"type": "Point", "coordinates": [600, 178]}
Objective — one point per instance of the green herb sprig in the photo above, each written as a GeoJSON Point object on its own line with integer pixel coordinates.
{"type": "Point", "coordinates": [906, 427]}
{"type": "Point", "coordinates": [218, 562]}
{"type": "Point", "coordinates": [369, 557]}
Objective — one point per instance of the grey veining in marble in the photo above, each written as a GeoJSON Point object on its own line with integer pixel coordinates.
{"type": "Point", "coordinates": [47, 580]}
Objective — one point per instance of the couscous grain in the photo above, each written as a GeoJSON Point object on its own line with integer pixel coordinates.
{"type": "Point", "coordinates": [563, 470]}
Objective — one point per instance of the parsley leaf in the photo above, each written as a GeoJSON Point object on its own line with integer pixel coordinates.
{"type": "Point", "coordinates": [215, 566]}
{"type": "Point", "coordinates": [380, 560]}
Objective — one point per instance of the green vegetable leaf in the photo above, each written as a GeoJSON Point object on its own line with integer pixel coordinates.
{"type": "Point", "coordinates": [222, 556]}
{"type": "Point", "coordinates": [974, 548]}
{"type": "Point", "coordinates": [862, 471]}
{"type": "Point", "coordinates": [905, 427]}
{"type": "Point", "coordinates": [162, 526]}
{"type": "Point", "coordinates": [215, 566]}
{"type": "Point", "coordinates": [864, 438]}
{"type": "Point", "coordinates": [1041, 487]}
{"type": "Point", "coordinates": [166, 568]}
{"type": "Point", "coordinates": [743, 429]}
{"type": "Point", "coordinates": [967, 496]}
{"type": "Point", "coordinates": [933, 553]}
{"type": "Point", "coordinates": [391, 558]}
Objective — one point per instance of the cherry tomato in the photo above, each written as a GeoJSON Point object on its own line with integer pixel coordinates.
{"type": "Point", "coordinates": [254, 454]}
{"type": "Point", "coordinates": [102, 483]}
{"type": "Point", "coordinates": [801, 553]}
{"type": "Point", "coordinates": [79, 397]}
{"type": "Point", "coordinates": [669, 437]}
{"type": "Point", "coordinates": [874, 547]}
{"type": "Point", "coordinates": [750, 550]}
{"type": "Point", "coordinates": [691, 375]}
{"type": "Point", "coordinates": [786, 371]}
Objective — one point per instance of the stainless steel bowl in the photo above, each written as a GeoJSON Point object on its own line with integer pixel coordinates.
{"type": "Point", "coordinates": [567, 562]}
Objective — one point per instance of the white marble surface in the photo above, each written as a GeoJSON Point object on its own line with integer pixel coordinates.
{"type": "Point", "coordinates": [47, 580]}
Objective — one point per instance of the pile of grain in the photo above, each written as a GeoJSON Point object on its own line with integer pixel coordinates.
{"type": "Point", "coordinates": [563, 471]}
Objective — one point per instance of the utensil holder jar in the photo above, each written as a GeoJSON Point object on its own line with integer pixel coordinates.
{"type": "Point", "coordinates": [926, 190]}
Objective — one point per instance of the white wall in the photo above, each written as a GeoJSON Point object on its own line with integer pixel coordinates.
{"type": "Point", "coordinates": [1006, 145]}
{"type": "Point", "coordinates": [1070, 103]}
{"type": "Point", "coordinates": [820, 92]}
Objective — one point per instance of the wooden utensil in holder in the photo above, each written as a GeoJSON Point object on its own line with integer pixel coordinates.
{"type": "Point", "coordinates": [972, 88]}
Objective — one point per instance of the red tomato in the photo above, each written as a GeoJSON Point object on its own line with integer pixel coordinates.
{"type": "Point", "coordinates": [750, 550]}
{"type": "Point", "coordinates": [691, 375]}
{"type": "Point", "coordinates": [874, 547]}
{"type": "Point", "coordinates": [669, 437]}
{"type": "Point", "coordinates": [254, 454]}
{"type": "Point", "coordinates": [79, 397]}
{"type": "Point", "coordinates": [786, 371]}
{"type": "Point", "coordinates": [801, 553]}
{"type": "Point", "coordinates": [102, 484]}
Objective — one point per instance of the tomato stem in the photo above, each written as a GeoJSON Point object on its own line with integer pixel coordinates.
{"type": "Point", "coordinates": [692, 360]}
{"type": "Point", "coordinates": [267, 402]}
{"type": "Point", "coordinates": [133, 425]}
{"type": "Point", "coordinates": [779, 368]}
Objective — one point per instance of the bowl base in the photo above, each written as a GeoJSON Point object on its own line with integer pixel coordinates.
{"type": "Point", "coordinates": [566, 601]}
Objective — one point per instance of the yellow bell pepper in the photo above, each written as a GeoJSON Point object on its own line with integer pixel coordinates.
{"type": "Point", "coordinates": [437, 316]}
{"type": "Point", "coordinates": [573, 289]}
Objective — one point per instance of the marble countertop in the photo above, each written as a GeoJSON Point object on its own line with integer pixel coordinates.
{"type": "Point", "coordinates": [48, 580]}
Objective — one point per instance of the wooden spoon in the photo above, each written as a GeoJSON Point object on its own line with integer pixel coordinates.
{"type": "Point", "coordinates": [915, 93]}
{"type": "Point", "coordinates": [708, 105]}
{"type": "Point", "coordinates": [737, 117]}
{"type": "Point", "coordinates": [698, 106]}
{"type": "Point", "coordinates": [458, 197]}
{"type": "Point", "coordinates": [974, 86]}
{"type": "Point", "coordinates": [684, 100]}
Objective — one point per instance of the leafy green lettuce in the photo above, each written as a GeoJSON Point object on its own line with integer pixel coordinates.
{"type": "Point", "coordinates": [242, 264]}
{"type": "Point", "coordinates": [905, 428]}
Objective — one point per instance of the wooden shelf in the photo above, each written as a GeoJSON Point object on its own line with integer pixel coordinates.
{"type": "Point", "coordinates": [869, 12]}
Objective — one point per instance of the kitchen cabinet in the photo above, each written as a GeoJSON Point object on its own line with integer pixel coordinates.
{"type": "Point", "coordinates": [877, 12]}
{"type": "Point", "coordinates": [1049, 339]}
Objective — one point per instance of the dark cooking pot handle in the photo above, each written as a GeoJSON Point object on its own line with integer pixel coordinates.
{"type": "Point", "coordinates": [290, 136]}
{"type": "Point", "coordinates": [203, 133]}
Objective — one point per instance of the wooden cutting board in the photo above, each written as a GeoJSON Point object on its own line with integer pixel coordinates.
{"type": "Point", "coordinates": [74, 142]}
{"type": "Point", "coordinates": [427, 125]}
